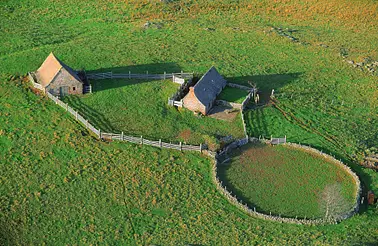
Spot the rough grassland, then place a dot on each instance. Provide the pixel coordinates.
(139, 108)
(286, 181)
(38, 206)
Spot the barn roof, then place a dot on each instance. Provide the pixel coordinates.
(50, 68)
(209, 86)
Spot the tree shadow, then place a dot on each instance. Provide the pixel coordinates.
(152, 68)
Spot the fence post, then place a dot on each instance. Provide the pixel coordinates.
(121, 136)
(90, 88)
(180, 146)
(271, 138)
(285, 138)
(129, 74)
(160, 143)
(165, 74)
(141, 140)
(99, 133)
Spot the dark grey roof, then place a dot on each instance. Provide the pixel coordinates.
(209, 86)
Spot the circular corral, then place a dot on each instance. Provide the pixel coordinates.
(291, 181)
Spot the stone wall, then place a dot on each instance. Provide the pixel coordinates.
(63, 78)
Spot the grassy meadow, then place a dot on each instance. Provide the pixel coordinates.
(139, 108)
(59, 185)
(285, 181)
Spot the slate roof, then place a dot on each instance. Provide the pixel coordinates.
(209, 86)
(50, 68)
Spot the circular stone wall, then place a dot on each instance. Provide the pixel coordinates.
(291, 181)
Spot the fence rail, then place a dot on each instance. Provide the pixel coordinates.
(160, 143)
(111, 75)
(32, 80)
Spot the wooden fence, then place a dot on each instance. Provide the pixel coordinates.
(181, 77)
(141, 140)
(172, 102)
(111, 75)
(32, 80)
(120, 137)
(242, 87)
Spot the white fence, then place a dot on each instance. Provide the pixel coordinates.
(180, 78)
(175, 103)
(36, 85)
(160, 144)
(111, 75)
(120, 137)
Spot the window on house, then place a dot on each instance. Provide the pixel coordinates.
(74, 88)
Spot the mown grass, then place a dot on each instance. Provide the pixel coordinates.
(110, 34)
(285, 181)
(139, 108)
(234, 95)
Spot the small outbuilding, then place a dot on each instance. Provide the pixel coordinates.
(202, 95)
(58, 78)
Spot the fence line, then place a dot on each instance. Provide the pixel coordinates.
(114, 136)
(36, 85)
(111, 75)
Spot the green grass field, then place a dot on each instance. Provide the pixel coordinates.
(58, 185)
(234, 95)
(287, 181)
(140, 108)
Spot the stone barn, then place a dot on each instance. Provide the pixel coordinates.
(58, 78)
(202, 95)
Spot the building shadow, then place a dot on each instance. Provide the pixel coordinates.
(152, 68)
(97, 119)
(266, 83)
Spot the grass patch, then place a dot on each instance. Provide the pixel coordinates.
(234, 95)
(140, 108)
(287, 181)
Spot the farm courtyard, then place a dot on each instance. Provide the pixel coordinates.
(60, 185)
(139, 108)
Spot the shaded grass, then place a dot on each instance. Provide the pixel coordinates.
(234, 95)
(285, 181)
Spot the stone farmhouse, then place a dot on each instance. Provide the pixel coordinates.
(58, 78)
(203, 94)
